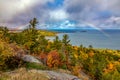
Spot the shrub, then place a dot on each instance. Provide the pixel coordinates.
(7, 58)
(35, 66)
(5, 53)
(53, 59)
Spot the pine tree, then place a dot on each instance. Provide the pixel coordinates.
(65, 47)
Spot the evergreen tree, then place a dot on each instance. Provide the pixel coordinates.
(33, 23)
(57, 43)
(65, 39)
(65, 47)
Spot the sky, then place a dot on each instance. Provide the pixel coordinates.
(61, 14)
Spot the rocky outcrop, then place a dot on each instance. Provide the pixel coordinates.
(32, 59)
(53, 75)
(24, 74)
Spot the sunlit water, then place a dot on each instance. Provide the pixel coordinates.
(106, 39)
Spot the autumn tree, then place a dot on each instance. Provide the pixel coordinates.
(53, 59)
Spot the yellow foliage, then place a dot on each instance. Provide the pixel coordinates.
(5, 52)
(76, 70)
(110, 66)
(48, 46)
(116, 63)
(75, 48)
(84, 56)
(76, 56)
(109, 51)
(106, 71)
(46, 33)
(91, 61)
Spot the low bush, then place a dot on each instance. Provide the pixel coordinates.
(35, 66)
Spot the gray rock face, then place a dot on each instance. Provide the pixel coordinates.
(29, 58)
(61, 76)
(53, 75)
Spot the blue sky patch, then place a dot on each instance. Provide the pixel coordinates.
(55, 4)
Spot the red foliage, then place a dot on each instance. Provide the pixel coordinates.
(43, 57)
(53, 59)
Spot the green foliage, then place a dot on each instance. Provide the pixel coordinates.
(33, 23)
(4, 77)
(13, 62)
(4, 33)
(4, 30)
(30, 38)
(114, 75)
(57, 43)
(35, 66)
(65, 40)
(118, 67)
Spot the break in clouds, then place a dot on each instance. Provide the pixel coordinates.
(100, 13)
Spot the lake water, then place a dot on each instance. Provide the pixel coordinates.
(98, 39)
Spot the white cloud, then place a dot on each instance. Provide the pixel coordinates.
(113, 18)
(11, 8)
(67, 24)
(112, 22)
(59, 14)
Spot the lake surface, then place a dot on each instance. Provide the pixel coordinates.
(98, 39)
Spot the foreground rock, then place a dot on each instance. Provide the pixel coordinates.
(27, 58)
(53, 75)
(23, 74)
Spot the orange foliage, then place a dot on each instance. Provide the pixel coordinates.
(43, 57)
(91, 54)
(53, 59)
(110, 66)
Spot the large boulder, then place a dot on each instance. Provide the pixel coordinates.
(24, 55)
(32, 59)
